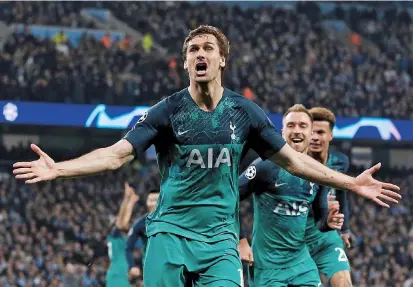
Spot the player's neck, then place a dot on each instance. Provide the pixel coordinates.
(321, 157)
(208, 95)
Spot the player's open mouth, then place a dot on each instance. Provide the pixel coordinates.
(201, 68)
(297, 140)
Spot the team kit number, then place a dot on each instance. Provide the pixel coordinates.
(342, 257)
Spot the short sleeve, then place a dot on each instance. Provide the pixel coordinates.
(250, 182)
(263, 137)
(251, 178)
(147, 128)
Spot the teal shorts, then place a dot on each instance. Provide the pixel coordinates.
(175, 261)
(113, 280)
(304, 274)
(329, 255)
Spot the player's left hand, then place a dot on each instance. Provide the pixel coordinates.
(245, 251)
(335, 219)
(375, 190)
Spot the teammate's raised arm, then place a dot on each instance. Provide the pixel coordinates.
(126, 209)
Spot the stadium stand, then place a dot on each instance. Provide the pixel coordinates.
(291, 61)
(49, 233)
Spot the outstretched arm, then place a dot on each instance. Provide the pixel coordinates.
(100, 160)
(136, 141)
(268, 143)
(365, 185)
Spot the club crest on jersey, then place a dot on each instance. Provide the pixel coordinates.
(143, 117)
(232, 127)
(195, 157)
(251, 172)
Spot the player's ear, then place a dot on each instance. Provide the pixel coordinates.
(222, 62)
(331, 136)
(185, 65)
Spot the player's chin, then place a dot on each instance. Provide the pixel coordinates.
(299, 147)
(315, 148)
(202, 79)
(336, 227)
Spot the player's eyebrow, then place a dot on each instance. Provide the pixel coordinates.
(205, 43)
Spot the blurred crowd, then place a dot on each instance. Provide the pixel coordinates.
(62, 13)
(278, 57)
(53, 234)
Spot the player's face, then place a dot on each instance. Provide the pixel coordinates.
(297, 130)
(321, 136)
(203, 60)
(151, 201)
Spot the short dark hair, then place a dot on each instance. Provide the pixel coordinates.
(223, 43)
(298, 108)
(323, 115)
(155, 190)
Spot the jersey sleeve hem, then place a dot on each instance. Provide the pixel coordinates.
(135, 152)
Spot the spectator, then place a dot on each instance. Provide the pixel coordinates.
(147, 43)
(106, 41)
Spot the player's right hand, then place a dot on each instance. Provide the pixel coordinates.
(331, 199)
(134, 272)
(245, 251)
(43, 169)
(335, 219)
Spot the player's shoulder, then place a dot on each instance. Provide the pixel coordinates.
(171, 102)
(139, 224)
(164, 109)
(240, 100)
(141, 219)
(115, 233)
(337, 159)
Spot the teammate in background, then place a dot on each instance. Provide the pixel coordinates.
(281, 205)
(117, 275)
(201, 134)
(327, 249)
(138, 231)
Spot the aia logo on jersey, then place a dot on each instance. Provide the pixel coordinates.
(292, 208)
(209, 161)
